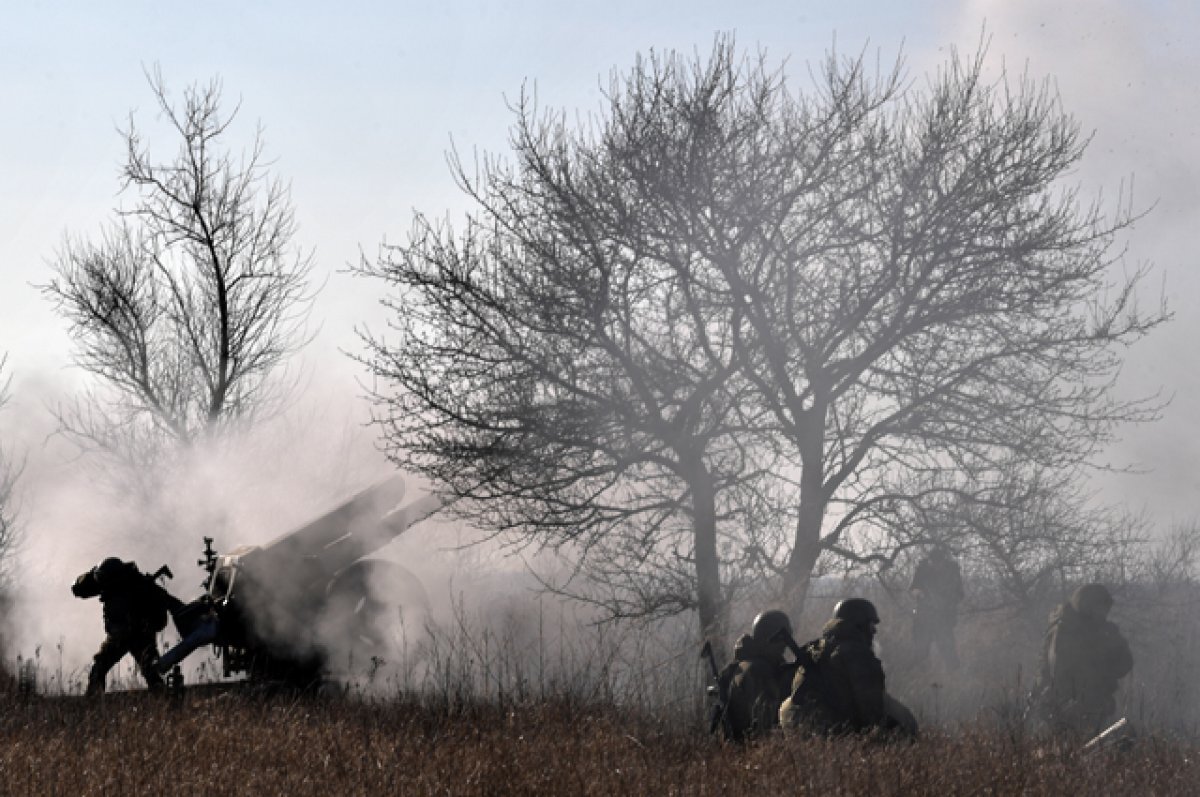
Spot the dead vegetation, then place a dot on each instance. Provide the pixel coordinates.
(505, 703)
(214, 742)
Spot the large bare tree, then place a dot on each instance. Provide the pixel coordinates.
(188, 303)
(725, 324)
(950, 305)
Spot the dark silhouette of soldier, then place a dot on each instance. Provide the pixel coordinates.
(758, 679)
(839, 684)
(938, 589)
(1083, 658)
(135, 609)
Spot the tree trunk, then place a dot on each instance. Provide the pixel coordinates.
(806, 547)
(710, 603)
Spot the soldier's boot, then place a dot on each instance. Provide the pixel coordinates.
(95, 684)
(110, 652)
(147, 661)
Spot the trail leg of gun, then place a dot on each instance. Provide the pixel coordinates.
(204, 632)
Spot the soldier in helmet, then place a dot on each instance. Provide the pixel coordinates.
(135, 609)
(937, 588)
(758, 679)
(839, 684)
(1083, 658)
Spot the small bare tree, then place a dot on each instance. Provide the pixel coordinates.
(191, 299)
(1030, 534)
(10, 469)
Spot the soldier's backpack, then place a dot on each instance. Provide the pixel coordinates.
(808, 685)
(159, 602)
(150, 600)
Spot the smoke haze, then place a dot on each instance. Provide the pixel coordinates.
(361, 129)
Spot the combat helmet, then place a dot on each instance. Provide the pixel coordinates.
(1092, 600)
(109, 571)
(768, 624)
(857, 612)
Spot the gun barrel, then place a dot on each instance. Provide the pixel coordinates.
(369, 535)
(369, 504)
(321, 547)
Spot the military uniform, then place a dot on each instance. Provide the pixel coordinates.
(938, 587)
(135, 610)
(839, 685)
(757, 680)
(1083, 659)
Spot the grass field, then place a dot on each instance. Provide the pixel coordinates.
(526, 703)
(211, 741)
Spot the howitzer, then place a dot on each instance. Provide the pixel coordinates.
(290, 609)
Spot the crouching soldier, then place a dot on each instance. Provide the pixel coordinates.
(758, 679)
(1083, 658)
(839, 685)
(135, 609)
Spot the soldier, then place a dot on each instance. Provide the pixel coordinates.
(135, 609)
(1083, 658)
(758, 679)
(839, 685)
(938, 588)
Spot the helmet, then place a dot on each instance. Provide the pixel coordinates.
(768, 624)
(1093, 600)
(856, 611)
(108, 571)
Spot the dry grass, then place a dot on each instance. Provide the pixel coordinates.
(210, 742)
(529, 704)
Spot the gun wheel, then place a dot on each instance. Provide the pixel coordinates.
(372, 605)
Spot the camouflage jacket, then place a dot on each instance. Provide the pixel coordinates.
(133, 603)
(839, 686)
(938, 582)
(1083, 658)
(753, 686)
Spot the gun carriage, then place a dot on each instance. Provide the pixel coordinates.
(310, 600)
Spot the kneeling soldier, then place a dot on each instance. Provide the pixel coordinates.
(756, 682)
(839, 683)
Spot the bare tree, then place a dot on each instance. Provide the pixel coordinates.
(1030, 535)
(822, 301)
(10, 469)
(953, 307)
(556, 368)
(191, 299)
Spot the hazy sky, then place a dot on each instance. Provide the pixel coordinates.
(360, 102)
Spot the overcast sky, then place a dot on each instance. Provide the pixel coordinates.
(359, 103)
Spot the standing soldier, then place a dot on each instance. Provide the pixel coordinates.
(135, 609)
(758, 679)
(839, 685)
(938, 589)
(1083, 658)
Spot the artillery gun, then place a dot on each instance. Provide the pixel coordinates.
(297, 607)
